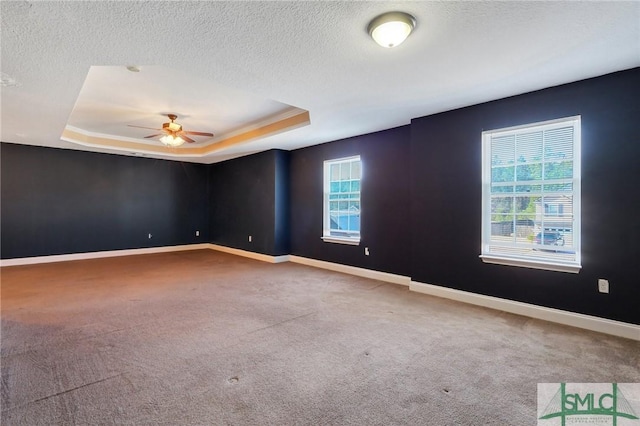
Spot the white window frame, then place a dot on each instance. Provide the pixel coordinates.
(353, 239)
(523, 260)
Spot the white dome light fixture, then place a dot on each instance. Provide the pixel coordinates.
(391, 28)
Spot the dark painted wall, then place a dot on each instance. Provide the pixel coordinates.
(385, 201)
(57, 201)
(446, 198)
(421, 200)
(282, 237)
(249, 196)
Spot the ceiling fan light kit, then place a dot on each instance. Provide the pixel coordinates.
(172, 141)
(174, 135)
(391, 28)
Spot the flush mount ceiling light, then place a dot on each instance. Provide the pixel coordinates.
(391, 28)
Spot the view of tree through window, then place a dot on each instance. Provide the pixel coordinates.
(531, 192)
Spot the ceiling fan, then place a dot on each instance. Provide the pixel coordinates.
(173, 135)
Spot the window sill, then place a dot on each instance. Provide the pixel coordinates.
(523, 263)
(341, 240)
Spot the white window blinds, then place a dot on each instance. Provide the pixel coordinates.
(531, 195)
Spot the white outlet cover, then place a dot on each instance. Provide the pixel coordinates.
(603, 286)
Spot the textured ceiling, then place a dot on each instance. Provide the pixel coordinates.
(316, 56)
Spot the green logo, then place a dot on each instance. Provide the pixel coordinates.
(592, 402)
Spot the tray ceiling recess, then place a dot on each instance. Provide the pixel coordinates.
(116, 101)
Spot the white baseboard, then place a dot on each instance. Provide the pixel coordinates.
(98, 254)
(352, 270)
(250, 254)
(131, 252)
(588, 322)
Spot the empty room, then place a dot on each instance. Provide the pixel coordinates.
(320, 213)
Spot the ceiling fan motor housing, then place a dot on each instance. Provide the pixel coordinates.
(172, 127)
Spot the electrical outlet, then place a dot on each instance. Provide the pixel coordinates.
(250, 238)
(197, 233)
(366, 251)
(150, 236)
(603, 285)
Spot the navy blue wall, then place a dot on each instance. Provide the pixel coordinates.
(57, 201)
(385, 201)
(421, 200)
(446, 198)
(282, 237)
(249, 196)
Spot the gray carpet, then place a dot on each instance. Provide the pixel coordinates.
(207, 338)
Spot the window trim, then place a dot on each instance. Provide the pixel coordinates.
(533, 264)
(573, 266)
(326, 237)
(341, 240)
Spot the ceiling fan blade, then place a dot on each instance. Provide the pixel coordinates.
(142, 127)
(185, 137)
(153, 136)
(186, 132)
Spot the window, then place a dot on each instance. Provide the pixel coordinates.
(554, 209)
(342, 200)
(531, 195)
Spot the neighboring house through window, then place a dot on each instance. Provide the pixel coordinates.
(342, 200)
(554, 208)
(531, 195)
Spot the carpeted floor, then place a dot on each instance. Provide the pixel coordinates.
(207, 338)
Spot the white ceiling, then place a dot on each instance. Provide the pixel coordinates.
(314, 55)
(116, 101)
